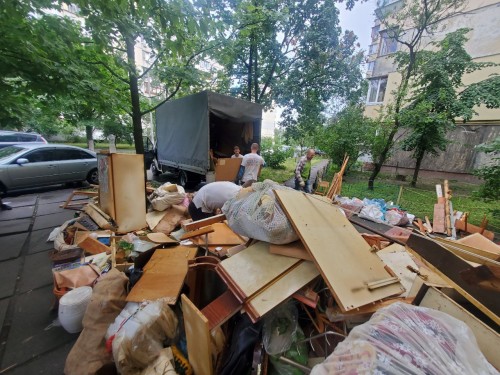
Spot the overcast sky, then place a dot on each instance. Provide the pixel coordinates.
(360, 20)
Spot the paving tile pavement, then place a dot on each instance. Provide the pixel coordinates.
(33, 327)
(15, 226)
(8, 276)
(37, 272)
(10, 246)
(38, 241)
(53, 220)
(30, 343)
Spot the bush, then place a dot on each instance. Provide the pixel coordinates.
(274, 157)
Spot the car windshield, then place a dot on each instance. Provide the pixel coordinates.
(9, 151)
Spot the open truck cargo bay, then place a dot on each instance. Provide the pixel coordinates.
(187, 128)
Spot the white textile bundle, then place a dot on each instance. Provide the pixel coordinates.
(258, 215)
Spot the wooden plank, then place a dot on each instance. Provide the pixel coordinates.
(479, 241)
(227, 169)
(221, 309)
(487, 339)
(280, 290)
(197, 338)
(396, 257)
(295, 250)
(438, 219)
(197, 232)
(93, 246)
(448, 266)
(222, 235)
(252, 269)
(397, 233)
(447, 197)
(163, 276)
(341, 254)
(203, 222)
(469, 228)
(469, 253)
(97, 217)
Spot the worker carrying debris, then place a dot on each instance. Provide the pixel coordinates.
(210, 198)
(303, 172)
(250, 166)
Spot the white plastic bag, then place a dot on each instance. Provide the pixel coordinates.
(161, 198)
(259, 216)
(407, 339)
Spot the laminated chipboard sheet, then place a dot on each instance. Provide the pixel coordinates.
(341, 254)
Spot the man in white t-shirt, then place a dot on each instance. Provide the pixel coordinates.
(211, 197)
(252, 164)
(236, 154)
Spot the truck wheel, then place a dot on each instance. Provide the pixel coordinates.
(183, 178)
(154, 170)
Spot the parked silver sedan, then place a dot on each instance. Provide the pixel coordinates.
(33, 165)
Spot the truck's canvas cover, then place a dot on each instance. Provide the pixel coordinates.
(182, 126)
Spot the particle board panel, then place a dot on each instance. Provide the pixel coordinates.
(469, 253)
(252, 269)
(396, 257)
(221, 236)
(193, 225)
(469, 228)
(487, 339)
(221, 309)
(341, 254)
(295, 250)
(281, 289)
(197, 338)
(163, 276)
(449, 266)
(438, 219)
(227, 169)
(477, 240)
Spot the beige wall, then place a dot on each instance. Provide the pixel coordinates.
(483, 17)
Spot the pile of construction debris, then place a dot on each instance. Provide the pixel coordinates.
(347, 295)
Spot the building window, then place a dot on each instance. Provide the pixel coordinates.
(375, 30)
(373, 49)
(370, 67)
(389, 44)
(376, 90)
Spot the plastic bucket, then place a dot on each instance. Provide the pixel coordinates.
(72, 307)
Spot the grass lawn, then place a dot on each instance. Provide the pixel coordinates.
(420, 200)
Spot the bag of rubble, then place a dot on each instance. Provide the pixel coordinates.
(138, 334)
(255, 213)
(166, 196)
(407, 339)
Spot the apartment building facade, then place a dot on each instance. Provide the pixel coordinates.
(461, 157)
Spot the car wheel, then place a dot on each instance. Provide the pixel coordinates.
(183, 178)
(154, 170)
(93, 177)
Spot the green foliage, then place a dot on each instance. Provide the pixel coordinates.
(436, 100)
(347, 133)
(490, 189)
(292, 54)
(407, 24)
(274, 154)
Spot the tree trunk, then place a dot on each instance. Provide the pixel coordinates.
(134, 96)
(397, 108)
(382, 157)
(256, 75)
(417, 169)
(89, 130)
(250, 69)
